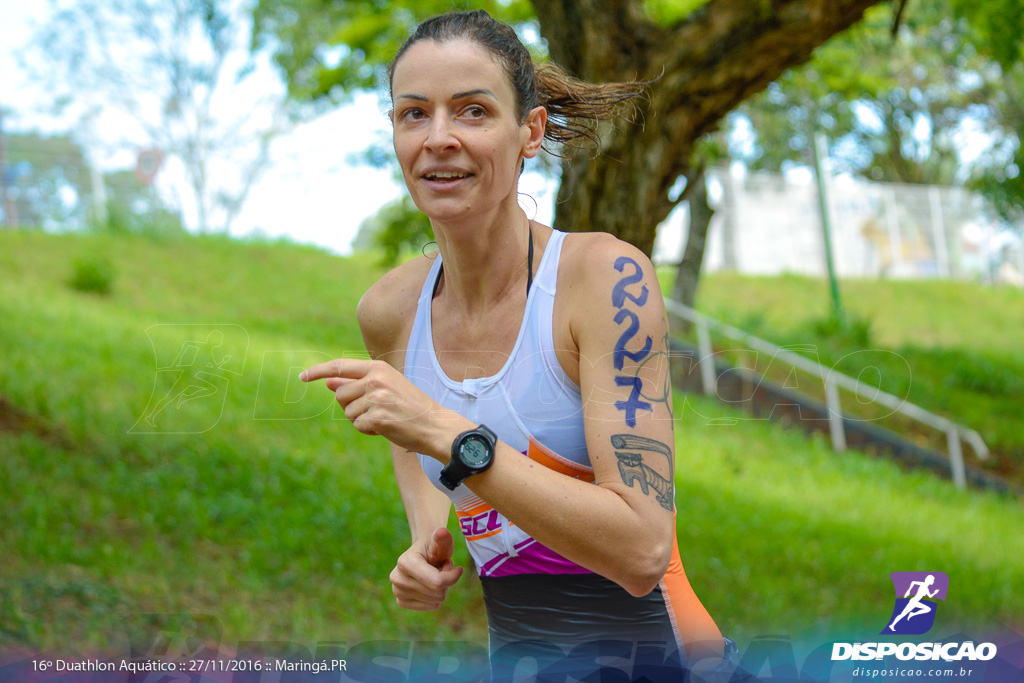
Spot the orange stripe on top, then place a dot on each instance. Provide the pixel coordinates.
(484, 535)
(545, 456)
(473, 511)
(469, 503)
(695, 630)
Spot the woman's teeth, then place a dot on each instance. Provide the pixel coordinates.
(446, 175)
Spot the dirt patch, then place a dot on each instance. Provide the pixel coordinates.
(14, 420)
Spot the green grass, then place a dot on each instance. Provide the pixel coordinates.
(804, 539)
(928, 313)
(274, 518)
(277, 507)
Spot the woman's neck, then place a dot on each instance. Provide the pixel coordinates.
(484, 261)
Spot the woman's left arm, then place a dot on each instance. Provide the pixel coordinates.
(622, 527)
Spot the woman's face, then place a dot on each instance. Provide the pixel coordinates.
(456, 133)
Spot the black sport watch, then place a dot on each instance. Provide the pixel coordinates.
(472, 453)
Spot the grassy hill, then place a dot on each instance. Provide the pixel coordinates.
(259, 507)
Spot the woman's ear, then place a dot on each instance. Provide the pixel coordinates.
(535, 123)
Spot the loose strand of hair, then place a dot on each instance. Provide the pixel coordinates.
(576, 108)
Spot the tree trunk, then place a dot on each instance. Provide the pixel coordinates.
(685, 289)
(703, 66)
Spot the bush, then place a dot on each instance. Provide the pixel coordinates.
(975, 372)
(847, 329)
(93, 273)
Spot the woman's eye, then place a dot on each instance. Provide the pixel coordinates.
(475, 112)
(413, 114)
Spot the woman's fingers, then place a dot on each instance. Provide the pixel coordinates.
(354, 408)
(348, 389)
(357, 397)
(418, 605)
(406, 589)
(450, 575)
(352, 368)
(418, 585)
(333, 383)
(415, 575)
(378, 399)
(411, 599)
(439, 548)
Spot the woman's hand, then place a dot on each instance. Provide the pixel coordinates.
(425, 572)
(380, 400)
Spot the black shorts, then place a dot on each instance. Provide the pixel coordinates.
(579, 625)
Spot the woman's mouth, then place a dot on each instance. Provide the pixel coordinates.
(446, 177)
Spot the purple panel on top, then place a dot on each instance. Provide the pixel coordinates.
(537, 559)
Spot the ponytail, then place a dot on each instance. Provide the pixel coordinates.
(576, 108)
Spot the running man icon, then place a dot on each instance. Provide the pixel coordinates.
(194, 365)
(192, 373)
(915, 607)
(919, 590)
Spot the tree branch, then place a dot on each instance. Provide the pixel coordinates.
(728, 50)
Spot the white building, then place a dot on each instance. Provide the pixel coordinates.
(770, 224)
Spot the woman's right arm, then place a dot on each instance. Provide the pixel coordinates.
(425, 571)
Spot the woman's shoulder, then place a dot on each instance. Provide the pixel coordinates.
(603, 282)
(588, 255)
(386, 311)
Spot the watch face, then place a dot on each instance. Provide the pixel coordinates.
(474, 451)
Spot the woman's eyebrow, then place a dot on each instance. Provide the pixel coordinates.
(473, 93)
(457, 96)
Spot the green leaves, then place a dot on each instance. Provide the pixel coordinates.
(902, 109)
(398, 228)
(327, 50)
(668, 12)
(998, 26)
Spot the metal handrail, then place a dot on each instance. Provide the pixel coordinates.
(832, 380)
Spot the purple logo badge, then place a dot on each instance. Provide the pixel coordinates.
(916, 593)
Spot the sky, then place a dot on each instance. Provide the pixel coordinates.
(311, 192)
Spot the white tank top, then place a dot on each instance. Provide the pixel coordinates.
(530, 403)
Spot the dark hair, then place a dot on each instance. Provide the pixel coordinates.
(574, 107)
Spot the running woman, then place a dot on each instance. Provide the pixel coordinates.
(520, 374)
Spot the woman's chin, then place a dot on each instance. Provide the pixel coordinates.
(450, 211)
(447, 212)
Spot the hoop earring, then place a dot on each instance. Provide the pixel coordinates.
(536, 206)
(423, 249)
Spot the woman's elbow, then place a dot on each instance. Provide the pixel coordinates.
(645, 573)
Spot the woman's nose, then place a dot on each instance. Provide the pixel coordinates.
(441, 135)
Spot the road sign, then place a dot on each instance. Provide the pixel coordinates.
(148, 164)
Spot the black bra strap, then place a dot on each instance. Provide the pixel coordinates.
(529, 269)
(529, 263)
(437, 282)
